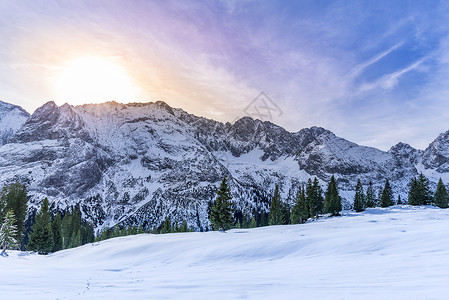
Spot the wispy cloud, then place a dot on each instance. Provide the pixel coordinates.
(357, 70)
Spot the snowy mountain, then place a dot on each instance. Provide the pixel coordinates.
(382, 253)
(141, 162)
(12, 117)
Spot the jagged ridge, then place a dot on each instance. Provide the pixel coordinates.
(140, 162)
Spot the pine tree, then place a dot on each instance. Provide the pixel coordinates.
(277, 211)
(87, 233)
(184, 227)
(441, 196)
(412, 192)
(75, 240)
(332, 201)
(399, 202)
(57, 233)
(14, 197)
(140, 229)
(253, 223)
(419, 192)
(221, 215)
(314, 196)
(8, 233)
(75, 226)
(166, 226)
(370, 196)
(41, 236)
(66, 228)
(359, 198)
(387, 195)
(300, 211)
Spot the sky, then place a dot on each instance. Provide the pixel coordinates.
(373, 72)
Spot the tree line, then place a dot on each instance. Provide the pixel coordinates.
(310, 202)
(53, 232)
(47, 233)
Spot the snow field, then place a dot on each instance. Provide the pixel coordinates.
(392, 253)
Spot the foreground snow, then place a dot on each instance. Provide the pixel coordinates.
(395, 253)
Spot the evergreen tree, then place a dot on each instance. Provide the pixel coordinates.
(14, 197)
(276, 216)
(314, 196)
(140, 229)
(184, 227)
(399, 202)
(370, 196)
(87, 233)
(75, 240)
(57, 233)
(8, 233)
(419, 192)
(300, 211)
(166, 226)
(359, 198)
(387, 195)
(263, 219)
(441, 196)
(221, 215)
(41, 236)
(66, 229)
(253, 223)
(76, 224)
(332, 201)
(412, 192)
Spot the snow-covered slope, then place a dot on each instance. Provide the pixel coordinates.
(141, 162)
(394, 253)
(12, 117)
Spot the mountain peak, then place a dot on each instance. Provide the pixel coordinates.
(12, 117)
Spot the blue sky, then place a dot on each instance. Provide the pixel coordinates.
(374, 72)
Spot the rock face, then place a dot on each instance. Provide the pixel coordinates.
(12, 117)
(141, 162)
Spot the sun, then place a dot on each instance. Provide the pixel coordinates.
(94, 80)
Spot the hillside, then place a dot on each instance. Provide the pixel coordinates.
(394, 253)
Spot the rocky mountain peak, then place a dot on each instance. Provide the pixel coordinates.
(12, 117)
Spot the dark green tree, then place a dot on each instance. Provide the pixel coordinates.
(441, 196)
(14, 197)
(57, 233)
(140, 229)
(66, 228)
(253, 224)
(300, 211)
(399, 202)
(41, 236)
(419, 192)
(221, 215)
(277, 209)
(370, 196)
(332, 200)
(184, 227)
(75, 240)
(387, 195)
(87, 233)
(314, 196)
(359, 198)
(167, 226)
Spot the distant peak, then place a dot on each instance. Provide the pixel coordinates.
(5, 106)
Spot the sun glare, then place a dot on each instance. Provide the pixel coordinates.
(95, 80)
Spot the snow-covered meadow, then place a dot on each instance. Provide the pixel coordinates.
(392, 253)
